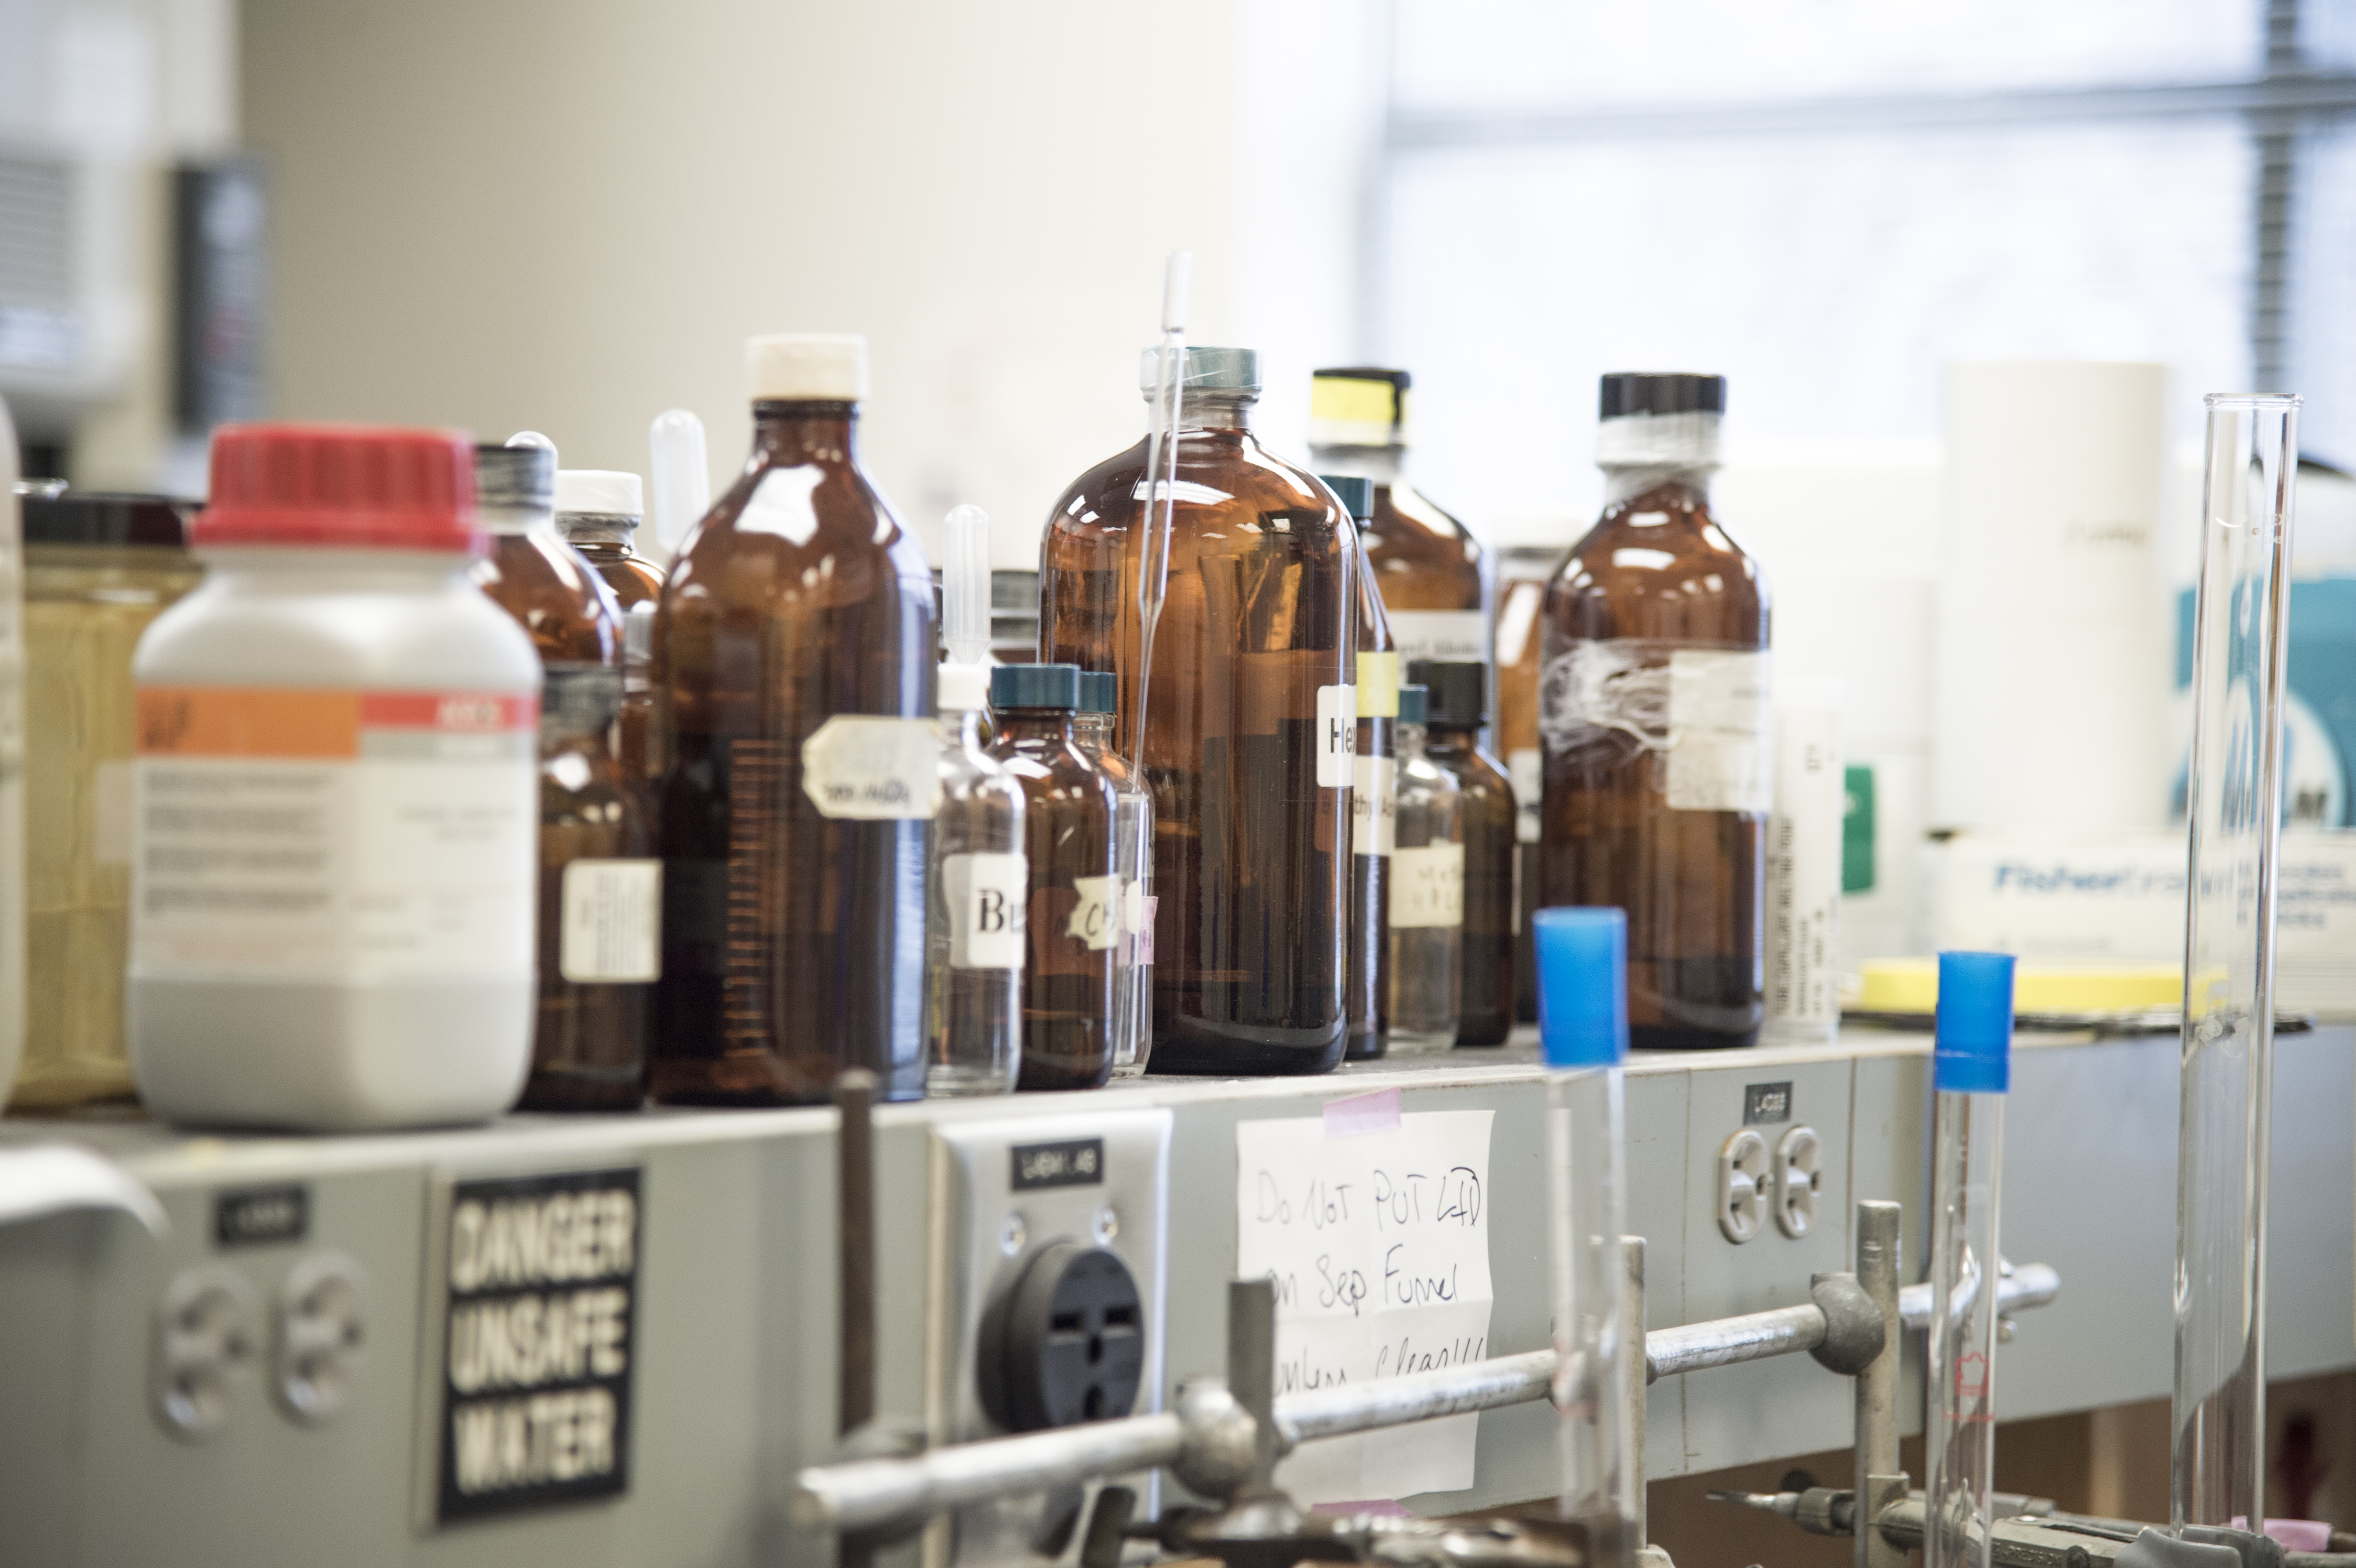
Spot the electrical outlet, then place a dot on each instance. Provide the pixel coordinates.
(322, 1331)
(204, 1342)
(1045, 1304)
(1741, 1178)
(1799, 1171)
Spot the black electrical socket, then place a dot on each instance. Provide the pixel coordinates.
(1064, 1342)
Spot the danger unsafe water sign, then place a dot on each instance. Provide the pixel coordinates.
(529, 1384)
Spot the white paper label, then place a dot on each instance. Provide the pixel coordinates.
(1377, 1243)
(1132, 907)
(1526, 769)
(1374, 809)
(1097, 918)
(985, 892)
(869, 768)
(613, 922)
(1705, 710)
(1803, 870)
(1337, 724)
(1428, 886)
(1461, 635)
(1718, 728)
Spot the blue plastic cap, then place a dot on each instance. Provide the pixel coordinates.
(1582, 986)
(1100, 692)
(1974, 1040)
(1035, 686)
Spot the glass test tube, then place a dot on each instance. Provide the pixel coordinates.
(1583, 957)
(1971, 1072)
(2218, 1448)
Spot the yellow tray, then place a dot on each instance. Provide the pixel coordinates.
(1912, 986)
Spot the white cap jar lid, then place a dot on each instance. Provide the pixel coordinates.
(600, 492)
(807, 366)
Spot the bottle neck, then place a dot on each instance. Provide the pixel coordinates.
(1382, 464)
(515, 519)
(805, 431)
(1465, 736)
(586, 531)
(1621, 481)
(1200, 410)
(972, 726)
(1092, 731)
(1035, 724)
(1406, 737)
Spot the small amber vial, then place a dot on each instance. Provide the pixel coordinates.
(598, 512)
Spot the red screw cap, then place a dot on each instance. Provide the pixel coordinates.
(341, 488)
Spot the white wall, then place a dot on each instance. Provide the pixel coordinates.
(566, 214)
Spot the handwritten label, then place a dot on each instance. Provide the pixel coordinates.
(872, 769)
(1428, 886)
(1378, 1246)
(1096, 919)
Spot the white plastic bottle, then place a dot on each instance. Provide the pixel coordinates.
(336, 803)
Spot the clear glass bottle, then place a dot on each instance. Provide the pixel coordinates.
(1075, 914)
(1971, 1071)
(1248, 744)
(1521, 577)
(1654, 716)
(979, 883)
(794, 670)
(598, 512)
(1373, 801)
(1455, 713)
(1598, 1359)
(1427, 913)
(97, 568)
(1435, 577)
(1133, 863)
(600, 887)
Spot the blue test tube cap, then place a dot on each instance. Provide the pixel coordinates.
(1582, 986)
(1974, 1055)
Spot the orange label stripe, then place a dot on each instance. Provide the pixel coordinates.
(295, 723)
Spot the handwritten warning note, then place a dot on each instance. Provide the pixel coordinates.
(1376, 1232)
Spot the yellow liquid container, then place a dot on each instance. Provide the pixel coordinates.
(97, 568)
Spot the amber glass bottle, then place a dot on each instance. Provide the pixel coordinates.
(1522, 577)
(599, 887)
(1456, 713)
(793, 702)
(1250, 730)
(1373, 806)
(1073, 923)
(598, 512)
(1434, 576)
(1654, 716)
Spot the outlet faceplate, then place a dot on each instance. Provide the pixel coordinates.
(1741, 1180)
(1799, 1170)
(204, 1342)
(322, 1334)
(1005, 1195)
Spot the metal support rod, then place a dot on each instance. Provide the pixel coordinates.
(2029, 1285)
(1631, 1329)
(854, 1099)
(1879, 1481)
(865, 1494)
(1251, 1373)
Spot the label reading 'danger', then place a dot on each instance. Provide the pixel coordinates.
(538, 1323)
(985, 894)
(872, 769)
(1337, 730)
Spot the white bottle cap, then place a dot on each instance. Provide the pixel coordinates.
(807, 366)
(600, 492)
(964, 687)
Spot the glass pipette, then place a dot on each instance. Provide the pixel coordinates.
(1160, 485)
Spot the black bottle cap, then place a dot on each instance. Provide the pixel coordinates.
(1459, 689)
(1356, 493)
(1100, 692)
(100, 518)
(1035, 686)
(522, 477)
(1411, 704)
(1674, 392)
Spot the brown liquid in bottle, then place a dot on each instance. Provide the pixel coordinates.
(589, 1037)
(1656, 568)
(1485, 1006)
(1251, 850)
(638, 585)
(793, 942)
(1073, 921)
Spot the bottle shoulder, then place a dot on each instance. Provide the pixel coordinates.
(798, 526)
(1657, 564)
(554, 594)
(1476, 769)
(1229, 487)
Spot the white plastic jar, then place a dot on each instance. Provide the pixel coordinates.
(336, 809)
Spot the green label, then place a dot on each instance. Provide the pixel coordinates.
(1857, 832)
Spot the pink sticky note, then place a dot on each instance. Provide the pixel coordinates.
(1145, 932)
(1377, 1112)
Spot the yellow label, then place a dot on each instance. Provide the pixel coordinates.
(1378, 684)
(1346, 400)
